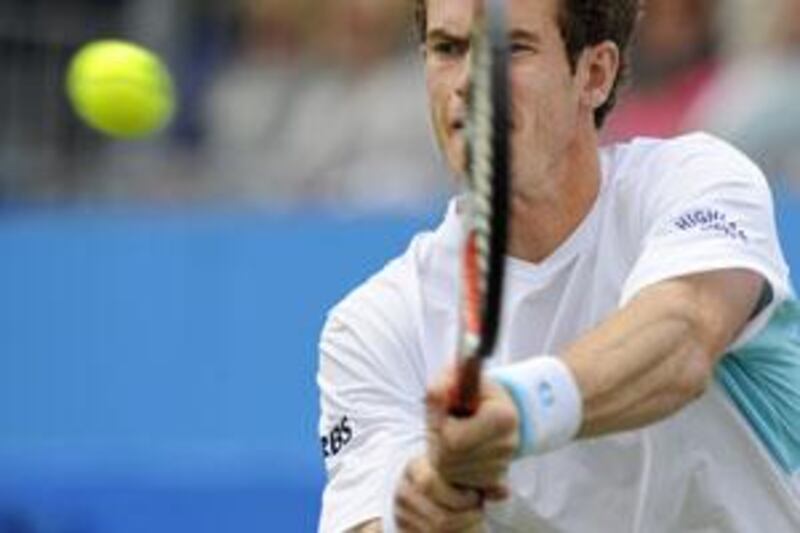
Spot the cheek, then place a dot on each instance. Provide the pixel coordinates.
(440, 95)
(541, 104)
(437, 101)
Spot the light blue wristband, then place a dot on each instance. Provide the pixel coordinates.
(527, 433)
(548, 402)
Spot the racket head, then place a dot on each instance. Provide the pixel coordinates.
(485, 205)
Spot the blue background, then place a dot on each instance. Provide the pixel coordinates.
(157, 366)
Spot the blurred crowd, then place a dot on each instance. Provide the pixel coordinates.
(323, 101)
(730, 67)
(297, 102)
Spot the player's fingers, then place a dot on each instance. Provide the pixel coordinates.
(493, 422)
(480, 527)
(408, 523)
(497, 493)
(500, 448)
(493, 460)
(421, 474)
(437, 399)
(496, 454)
(437, 404)
(414, 511)
(439, 391)
(453, 499)
(464, 521)
(484, 475)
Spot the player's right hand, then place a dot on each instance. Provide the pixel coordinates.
(473, 452)
(425, 503)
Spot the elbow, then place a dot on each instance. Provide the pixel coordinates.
(704, 327)
(696, 362)
(695, 376)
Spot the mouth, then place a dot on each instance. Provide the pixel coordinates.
(459, 125)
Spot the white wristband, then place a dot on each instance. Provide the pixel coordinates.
(548, 401)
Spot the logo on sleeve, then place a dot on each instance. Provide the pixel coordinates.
(337, 438)
(710, 221)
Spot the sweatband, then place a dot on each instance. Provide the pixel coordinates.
(548, 402)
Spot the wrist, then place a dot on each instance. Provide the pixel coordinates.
(548, 402)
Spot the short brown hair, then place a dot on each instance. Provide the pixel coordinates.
(583, 23)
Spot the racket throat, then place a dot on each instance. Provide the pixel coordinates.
(466, 395)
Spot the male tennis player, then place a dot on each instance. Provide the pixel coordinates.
(647, 374)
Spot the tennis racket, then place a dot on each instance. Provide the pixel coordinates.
(485, 207)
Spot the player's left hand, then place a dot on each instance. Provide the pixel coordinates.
(473, 452)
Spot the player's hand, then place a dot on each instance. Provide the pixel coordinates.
(425, 503)
(473, 452)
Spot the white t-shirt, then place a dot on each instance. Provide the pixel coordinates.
(665, 209)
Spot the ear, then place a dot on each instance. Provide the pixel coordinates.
(598, 70)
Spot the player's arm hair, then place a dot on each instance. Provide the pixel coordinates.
(658, 353)
(373, 526)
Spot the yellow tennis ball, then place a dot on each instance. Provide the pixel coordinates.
(120, 89)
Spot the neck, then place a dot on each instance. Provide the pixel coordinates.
(544, 218)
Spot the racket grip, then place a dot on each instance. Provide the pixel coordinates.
(465, 394)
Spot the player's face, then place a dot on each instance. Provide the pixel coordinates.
(547, 108)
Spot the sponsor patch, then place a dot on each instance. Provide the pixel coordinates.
(710, 221)
(337, 438)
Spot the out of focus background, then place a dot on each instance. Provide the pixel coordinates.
(160, 300)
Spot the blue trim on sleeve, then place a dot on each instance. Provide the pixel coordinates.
(763, 380)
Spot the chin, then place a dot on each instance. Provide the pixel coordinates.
(456, 159)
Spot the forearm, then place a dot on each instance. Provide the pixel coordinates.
(658, 354)
(637, 368)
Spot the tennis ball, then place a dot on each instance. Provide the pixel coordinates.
(120, 89)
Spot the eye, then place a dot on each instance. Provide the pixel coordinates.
(521, 48)
(448, 48)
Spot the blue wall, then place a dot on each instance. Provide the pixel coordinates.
(157, 367)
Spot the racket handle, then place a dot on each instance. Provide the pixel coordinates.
(465, 395)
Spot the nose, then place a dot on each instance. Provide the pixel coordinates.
(462, 79)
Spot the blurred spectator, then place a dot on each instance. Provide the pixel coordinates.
(754, 101)
(325, 103)
(42, 146)
(298, 100)
(673, 62)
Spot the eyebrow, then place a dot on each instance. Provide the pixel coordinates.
(443, 34)
(517, 34)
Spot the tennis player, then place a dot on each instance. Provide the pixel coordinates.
(647, 375)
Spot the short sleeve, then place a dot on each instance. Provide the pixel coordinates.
(371, 397)
(707, 208)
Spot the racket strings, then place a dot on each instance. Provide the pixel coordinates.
(486, 203)
(479, 230)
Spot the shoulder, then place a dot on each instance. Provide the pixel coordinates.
(370, 338)
(653, 177)
(382, 319)
(384, 300)
(394, 291)
(684, 160)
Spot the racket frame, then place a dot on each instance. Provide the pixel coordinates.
(487, 211)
